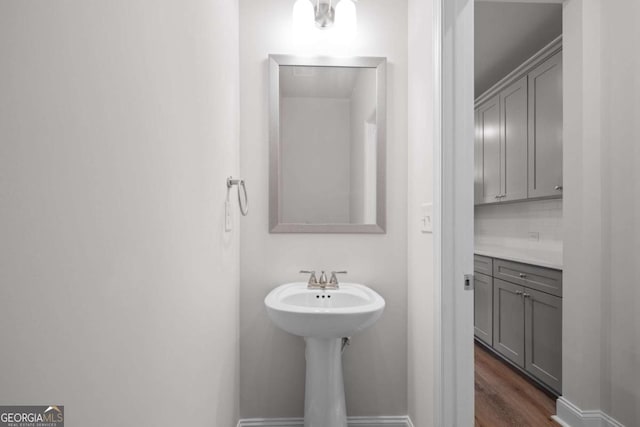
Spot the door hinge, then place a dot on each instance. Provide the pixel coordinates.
(468, 282)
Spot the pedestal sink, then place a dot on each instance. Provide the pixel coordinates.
(323, 317)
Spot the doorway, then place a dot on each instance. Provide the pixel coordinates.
(454, 172)
(518, 192)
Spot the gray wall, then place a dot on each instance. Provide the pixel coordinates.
(118, 287)
(601, 344)
(375, 364)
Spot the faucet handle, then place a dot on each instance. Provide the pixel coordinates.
(312, 278)
(334, 278)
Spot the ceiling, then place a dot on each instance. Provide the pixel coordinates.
(507, 34)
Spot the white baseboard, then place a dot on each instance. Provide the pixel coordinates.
(397, 421)
(569, 415)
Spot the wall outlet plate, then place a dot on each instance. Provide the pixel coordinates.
(534, 236)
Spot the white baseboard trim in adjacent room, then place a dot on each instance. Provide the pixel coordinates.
(569, 415)
(397, 421)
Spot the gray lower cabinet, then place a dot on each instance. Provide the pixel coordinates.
(483, 264)
(517, 319)
(508, 320)
(543, 337)
(483, 308)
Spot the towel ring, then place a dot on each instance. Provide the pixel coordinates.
(244, 205)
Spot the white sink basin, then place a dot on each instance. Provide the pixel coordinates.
(324, 317)
(329, 313)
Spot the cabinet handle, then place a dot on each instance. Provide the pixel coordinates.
(523, 276)
(526, 295)
(518, 292)
(558, 187)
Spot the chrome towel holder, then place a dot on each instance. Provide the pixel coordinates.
(244, 205)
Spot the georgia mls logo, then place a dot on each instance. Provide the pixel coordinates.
(55, 410)
(32, 416)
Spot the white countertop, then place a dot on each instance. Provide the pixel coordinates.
(542, 258)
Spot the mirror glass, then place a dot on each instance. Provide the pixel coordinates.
(329, 148)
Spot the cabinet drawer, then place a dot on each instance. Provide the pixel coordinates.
(483, 264)
(538, 278)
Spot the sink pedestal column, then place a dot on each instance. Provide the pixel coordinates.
(324, 403)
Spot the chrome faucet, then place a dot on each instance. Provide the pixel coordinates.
(322, 283)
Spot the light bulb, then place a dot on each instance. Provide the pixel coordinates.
(303, 18)
(346, 22)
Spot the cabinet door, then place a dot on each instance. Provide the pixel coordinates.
(514, 134)
(483, 307)
(543, 337)
(489, 118)
(545, 128)
(477, 156)
(508, 320)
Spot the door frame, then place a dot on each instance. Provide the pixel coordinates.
(454, 206)
(453, 214)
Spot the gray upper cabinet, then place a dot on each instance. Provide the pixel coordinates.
(483, 307)
(508, 320)
(543, 337)
(513, 141)
(518, 140)
(489, 123)
(477, 161)
(545, 128)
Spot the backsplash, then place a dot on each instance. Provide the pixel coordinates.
(511, 225)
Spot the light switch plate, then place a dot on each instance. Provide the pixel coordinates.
(426, 218)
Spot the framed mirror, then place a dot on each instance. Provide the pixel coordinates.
(327, 125)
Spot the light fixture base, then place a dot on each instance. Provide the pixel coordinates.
(324, 14)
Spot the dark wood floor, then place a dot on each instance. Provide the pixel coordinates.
(504, 398)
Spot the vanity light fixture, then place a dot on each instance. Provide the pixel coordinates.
(309, 15)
